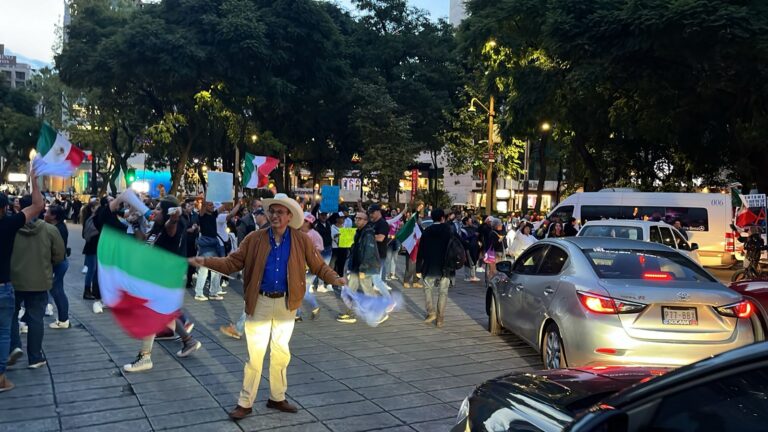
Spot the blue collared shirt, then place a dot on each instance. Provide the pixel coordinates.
(276, 270)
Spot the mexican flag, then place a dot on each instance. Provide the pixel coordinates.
(56, 156)
(409, 236)
(257, 169)
(744, 215)
(144, 286)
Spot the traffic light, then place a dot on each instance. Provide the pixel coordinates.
(130, 176)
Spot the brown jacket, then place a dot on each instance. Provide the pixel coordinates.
(251, 257)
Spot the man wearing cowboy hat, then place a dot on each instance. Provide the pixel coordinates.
(274, 262)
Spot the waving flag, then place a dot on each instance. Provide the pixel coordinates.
(745, 215)
(144, 286)
(257, 169)
(56, 156)
(409, 236)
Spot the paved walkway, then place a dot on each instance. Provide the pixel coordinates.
(401, 376)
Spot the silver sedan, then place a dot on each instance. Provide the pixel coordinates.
(604, 301)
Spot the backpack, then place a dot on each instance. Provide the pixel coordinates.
(90, 231)
(455, 257)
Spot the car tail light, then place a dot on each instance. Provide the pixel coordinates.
(742, 309)
(657, 275)
(607, 305)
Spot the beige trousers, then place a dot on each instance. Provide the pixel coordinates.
(271, 324)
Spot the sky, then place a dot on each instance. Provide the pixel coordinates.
(27, 27)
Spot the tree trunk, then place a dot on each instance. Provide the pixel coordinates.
(542, 172)
(180, 165)
(595, 180)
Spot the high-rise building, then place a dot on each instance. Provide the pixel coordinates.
(13, 72)
(458, 12)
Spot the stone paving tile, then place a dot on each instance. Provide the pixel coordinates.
(27, 413)
(453, 394)
(336, 397)
(219, 426)
(140, 425)
(350, 409)
(436, 426)
(96, 394)
(386, 390)
(306, 427)
(103, 404)
(36, 425)
(272, 421)
(370, 381)
(190, 418)
(315, 388)
(425, 413)
(354, 372)
(406, 401)
(181, 406)
(363, 423)
(97, 418)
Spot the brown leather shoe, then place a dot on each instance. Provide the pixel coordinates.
(283, 406)
(240, 413)
(5, 384)
(431, 317)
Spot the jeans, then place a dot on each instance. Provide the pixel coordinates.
(326, 255)
(7, 318)
(57, 290)
(390, 262)
(379, 283)
(92, 276)
(410, 271)
(34, 304)
(470, 266)
(202, 275)
(338, 260)
(442, 283)
(240, 326)
(309, 297)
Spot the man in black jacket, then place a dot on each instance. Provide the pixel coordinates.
(430, 262)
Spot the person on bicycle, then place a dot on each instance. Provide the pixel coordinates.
(753, 246)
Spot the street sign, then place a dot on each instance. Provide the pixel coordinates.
(489, 156)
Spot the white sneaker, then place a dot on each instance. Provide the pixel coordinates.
(98, 307)
(23, 327)
(21, 313)
(224, 284)
(143, 362)
(215, 297)
(59, 324)
(220, 293)
(201, 298)
(480, 270)
(321, 289)
(85, 270)
(49, 310)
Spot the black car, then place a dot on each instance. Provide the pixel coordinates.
(728, 392)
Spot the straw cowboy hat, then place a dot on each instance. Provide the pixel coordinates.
(297, 214)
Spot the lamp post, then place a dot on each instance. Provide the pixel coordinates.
(489, 198)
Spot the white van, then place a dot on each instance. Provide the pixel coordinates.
(706, 218)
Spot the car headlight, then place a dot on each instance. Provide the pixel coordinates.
(463, 410)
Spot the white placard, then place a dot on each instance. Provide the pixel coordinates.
(220, 187)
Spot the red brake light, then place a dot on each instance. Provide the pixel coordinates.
(607, 305)
(597, 304)
(657, 275)
(742, 309)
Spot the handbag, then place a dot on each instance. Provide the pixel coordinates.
(490, 256)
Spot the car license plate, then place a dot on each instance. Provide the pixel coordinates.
(679, 316)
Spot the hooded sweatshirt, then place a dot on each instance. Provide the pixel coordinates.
(38, 246)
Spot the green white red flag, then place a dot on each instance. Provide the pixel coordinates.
(409, 236)
(56, 156)
(256, 170)
(745, 216)
(144, 286)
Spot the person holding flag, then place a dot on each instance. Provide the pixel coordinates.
(408, 236)
(274, 262)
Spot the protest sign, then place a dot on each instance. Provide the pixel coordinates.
(220, 187)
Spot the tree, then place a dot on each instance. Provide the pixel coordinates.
(18, 126)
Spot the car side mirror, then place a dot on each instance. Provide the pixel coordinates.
(504, 267)
(694, 246)
(611, 420)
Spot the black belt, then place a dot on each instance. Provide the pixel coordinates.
(272, 294)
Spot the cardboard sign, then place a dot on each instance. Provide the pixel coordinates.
(346, 237)
(330, 201)
(220, 187)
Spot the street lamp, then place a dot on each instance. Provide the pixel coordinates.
(489, 198)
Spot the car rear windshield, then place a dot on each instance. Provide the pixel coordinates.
(645, 264)
(625, 232)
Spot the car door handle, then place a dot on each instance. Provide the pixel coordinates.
(548, 291)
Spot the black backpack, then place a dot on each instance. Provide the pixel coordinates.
(455, 257)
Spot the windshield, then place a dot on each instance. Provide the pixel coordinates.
(645, 264)
(625, 232)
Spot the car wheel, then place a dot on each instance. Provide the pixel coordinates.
(759, 328)
(494, 327)
(739, 275)
(553, 350)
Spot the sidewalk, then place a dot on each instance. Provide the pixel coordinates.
(401, 376)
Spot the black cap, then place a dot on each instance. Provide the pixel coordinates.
(374, 207)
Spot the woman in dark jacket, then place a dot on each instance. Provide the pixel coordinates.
(471, 240)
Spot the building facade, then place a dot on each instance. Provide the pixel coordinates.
(14, 73)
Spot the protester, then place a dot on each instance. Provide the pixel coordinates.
(570, 229)
(364, 263)
(191, 221)
(495, 240)
(338, 254)
(430, 262)
(555, 230)
(317, 242)
(469, 238)
(274, 262)
(168, 232)
(56, 216)
(381, 233)
(208, 245)
(91, 236)
(38, 246)
(10, 224)
(77, 205)
(323, 227)
(523, 239)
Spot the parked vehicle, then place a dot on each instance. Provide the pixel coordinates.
(648, 231)
(756, 291)
(705, 217)
(719, 394)
(585, 301)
